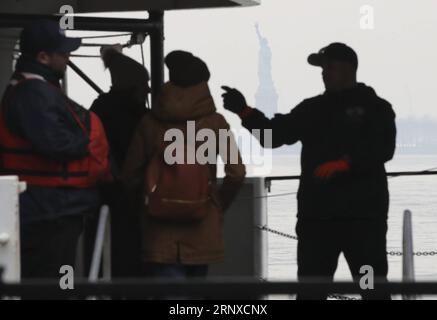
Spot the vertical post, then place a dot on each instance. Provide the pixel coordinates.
(408, 255)
(260, 219)
(10, 259)
(157, 52)
(98, 246)
(246, 249)
(107, 270)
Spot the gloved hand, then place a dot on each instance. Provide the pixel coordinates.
(328, 169)
(233, 100)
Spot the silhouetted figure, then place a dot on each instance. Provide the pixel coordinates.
(347, 135)
(185, 247)
(121, 110)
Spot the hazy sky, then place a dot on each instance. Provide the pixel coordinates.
(398, 57)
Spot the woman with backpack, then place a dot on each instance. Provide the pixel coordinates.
(183, 208)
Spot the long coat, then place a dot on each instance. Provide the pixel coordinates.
(188, 243)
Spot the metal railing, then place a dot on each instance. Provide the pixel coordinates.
(227, 287)
(217, 288)
(389, 174)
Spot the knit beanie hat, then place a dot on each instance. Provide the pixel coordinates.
(185, 69)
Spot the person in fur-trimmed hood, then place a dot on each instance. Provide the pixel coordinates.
(121, 110)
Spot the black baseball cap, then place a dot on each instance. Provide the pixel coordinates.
(46, 35)
(334, 52)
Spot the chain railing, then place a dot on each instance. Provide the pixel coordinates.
(340, 297)
(416, 253)
(279, 233)
(389, 253)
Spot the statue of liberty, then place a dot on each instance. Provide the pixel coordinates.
(266, 97)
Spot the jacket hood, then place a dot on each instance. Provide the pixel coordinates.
(178, 104)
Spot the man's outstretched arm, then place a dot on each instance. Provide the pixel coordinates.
(280, 130)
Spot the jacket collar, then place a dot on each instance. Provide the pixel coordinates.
(29, 65)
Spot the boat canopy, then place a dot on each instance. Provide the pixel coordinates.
(17, 13)
(88, 6)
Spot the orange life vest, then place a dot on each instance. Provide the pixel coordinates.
(18, 157)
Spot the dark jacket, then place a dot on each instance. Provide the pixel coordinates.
(354, 124)
(190, 243)
(37, 112)
(120, 115)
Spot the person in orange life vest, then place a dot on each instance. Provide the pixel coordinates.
(45, 140)
(347, 135)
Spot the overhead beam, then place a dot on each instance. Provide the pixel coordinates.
(8, 20)
(157, 52)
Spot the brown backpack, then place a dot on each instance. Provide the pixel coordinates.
(177, 192)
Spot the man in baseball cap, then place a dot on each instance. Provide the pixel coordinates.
(339, 63)
(45, 42)
(37, 117)
(348, 133)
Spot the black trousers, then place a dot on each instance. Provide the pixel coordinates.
(363, 242)
(49, 244)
